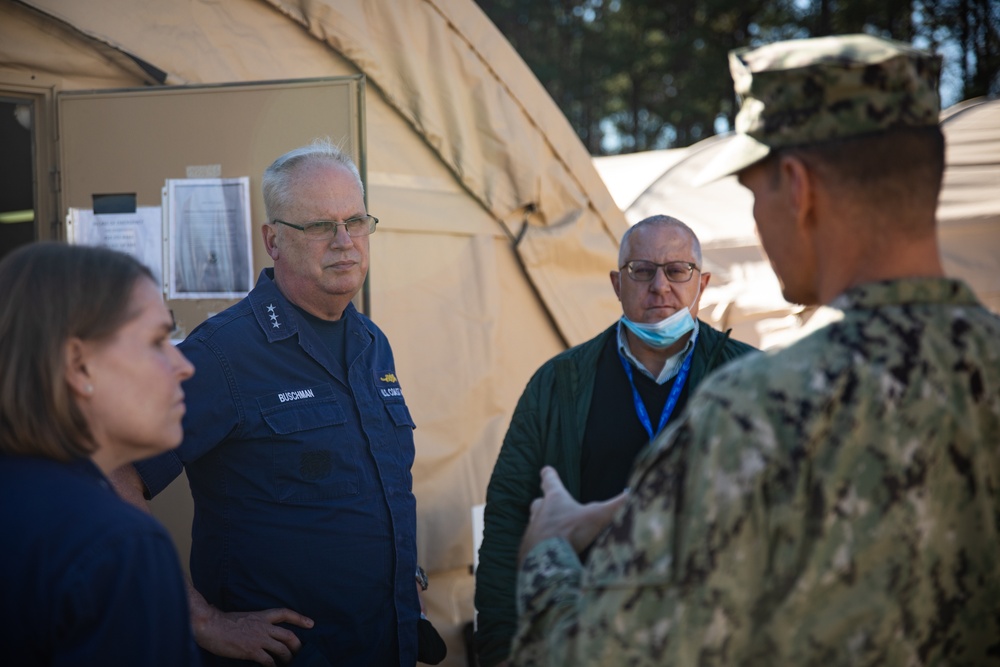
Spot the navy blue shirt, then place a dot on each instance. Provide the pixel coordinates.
(300, 473)
(85, 578)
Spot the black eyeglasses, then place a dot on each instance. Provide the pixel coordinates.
(643, 271)
(363, 225)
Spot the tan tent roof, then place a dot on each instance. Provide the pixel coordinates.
(969, 210)
(744, 293)
(497, 232)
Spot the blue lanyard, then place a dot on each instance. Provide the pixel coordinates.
(668, 408)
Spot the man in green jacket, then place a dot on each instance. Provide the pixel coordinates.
(590, 410)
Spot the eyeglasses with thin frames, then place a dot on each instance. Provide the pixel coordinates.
(363, 225)
(643, 271)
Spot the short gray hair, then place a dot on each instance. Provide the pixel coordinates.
(664, 221)
(277, 180)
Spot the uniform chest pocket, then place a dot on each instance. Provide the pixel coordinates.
(313, 452)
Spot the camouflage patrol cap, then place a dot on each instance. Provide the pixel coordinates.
(807, 91)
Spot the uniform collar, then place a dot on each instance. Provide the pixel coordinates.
(905, 290)
(277, 317)
(85, 467)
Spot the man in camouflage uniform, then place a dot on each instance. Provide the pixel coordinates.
(834, 503)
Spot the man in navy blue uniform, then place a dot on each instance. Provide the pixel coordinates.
(298, 446)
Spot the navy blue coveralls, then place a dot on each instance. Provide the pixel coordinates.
(85, 578)
(300, 474)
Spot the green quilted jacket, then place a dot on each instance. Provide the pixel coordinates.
(547, 429)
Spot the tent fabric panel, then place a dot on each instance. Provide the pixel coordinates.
(409, 187)
(462, 60)
(629, 175)
(199, 42)
(467, 333)
(716, 210)
(402, 207)
(570, 269)
(516, 78)
(972, 155)
(969, 209)
(56, 54)
(453, 98)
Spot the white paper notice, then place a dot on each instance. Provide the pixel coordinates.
(138, 234)
(210, 253)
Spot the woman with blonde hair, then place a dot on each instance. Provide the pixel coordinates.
(89, 380)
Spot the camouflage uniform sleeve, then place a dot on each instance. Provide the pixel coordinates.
(548, 594)
(679, 576)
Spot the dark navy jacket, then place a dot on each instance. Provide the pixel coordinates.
(85, 578)
(300, 474)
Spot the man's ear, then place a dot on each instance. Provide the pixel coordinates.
(616, 283)
(695, 306)
(270, 236)
(75, 356)
(800, 182)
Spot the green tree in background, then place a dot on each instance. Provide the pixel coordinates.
(633, 75)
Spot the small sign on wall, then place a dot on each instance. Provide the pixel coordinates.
(138, 233)
(209, 243)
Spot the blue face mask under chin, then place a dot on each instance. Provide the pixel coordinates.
(664, 333)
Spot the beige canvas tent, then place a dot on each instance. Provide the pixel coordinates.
(496, 233)
(744, 293)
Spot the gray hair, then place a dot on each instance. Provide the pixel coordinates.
(663, 221)
(277, 180)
